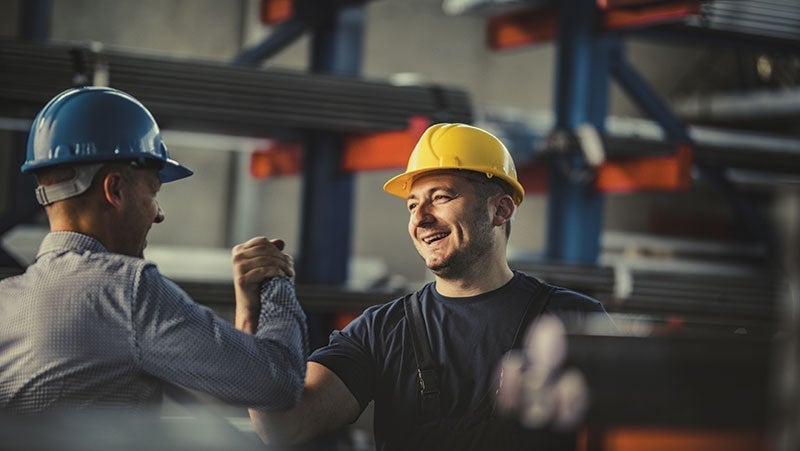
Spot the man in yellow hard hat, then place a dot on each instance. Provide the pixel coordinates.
(428, 359)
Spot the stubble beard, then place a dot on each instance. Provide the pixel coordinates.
(467, 262)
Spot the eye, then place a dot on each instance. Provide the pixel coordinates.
(412, 206)
(441, 197)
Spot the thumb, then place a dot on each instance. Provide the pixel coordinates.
(278, 243)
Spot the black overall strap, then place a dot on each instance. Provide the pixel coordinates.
(534, 308)
(427, 371)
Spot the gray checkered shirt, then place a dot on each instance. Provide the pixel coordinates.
(85, 327)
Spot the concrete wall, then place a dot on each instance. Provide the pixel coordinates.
(401, 36)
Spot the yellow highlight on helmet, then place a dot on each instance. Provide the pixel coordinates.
(457, 146)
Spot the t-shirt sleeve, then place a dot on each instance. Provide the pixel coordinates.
(350, 355)
(580, 313)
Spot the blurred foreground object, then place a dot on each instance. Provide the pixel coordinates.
(787, 368)
(676, 391)
(118, 430)
(534, 385)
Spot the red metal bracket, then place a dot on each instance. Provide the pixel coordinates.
(386, 150)
(520, 28)
(672, 173)
(538, 25)
(641, 16)
(276, 159)
(275, 11)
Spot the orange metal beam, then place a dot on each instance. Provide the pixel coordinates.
(670, 439)
(274, 11)
(614, 19)
(385, 150)
(278, 158)
(671, 173)
(538, 25)
(616, 4)
(520, 28)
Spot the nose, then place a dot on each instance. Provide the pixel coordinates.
(421, 215)
(159, 214)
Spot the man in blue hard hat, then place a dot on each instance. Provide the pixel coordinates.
(91, 323)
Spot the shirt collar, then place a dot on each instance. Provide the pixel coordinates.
(74, 241)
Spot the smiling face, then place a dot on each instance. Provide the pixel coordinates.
(450, 224)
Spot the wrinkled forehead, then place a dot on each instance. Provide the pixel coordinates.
(446, 176)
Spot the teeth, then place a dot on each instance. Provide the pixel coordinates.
(432, 238)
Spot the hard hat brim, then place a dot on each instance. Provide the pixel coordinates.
(172, 171)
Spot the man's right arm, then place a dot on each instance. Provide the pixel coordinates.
(326, 405)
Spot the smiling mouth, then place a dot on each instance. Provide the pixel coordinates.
(434, 238)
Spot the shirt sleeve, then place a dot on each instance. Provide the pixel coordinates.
(179, 341)
(580, 313)
(349, 354)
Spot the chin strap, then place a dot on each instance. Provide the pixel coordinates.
(84, 174)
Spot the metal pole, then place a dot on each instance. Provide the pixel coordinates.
(326, 219)
(327, 209)
(575, 208)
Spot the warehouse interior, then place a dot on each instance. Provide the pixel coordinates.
(657, 141)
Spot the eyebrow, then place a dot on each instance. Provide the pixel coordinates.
(433, 190)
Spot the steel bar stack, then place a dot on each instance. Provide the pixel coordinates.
(208, 97)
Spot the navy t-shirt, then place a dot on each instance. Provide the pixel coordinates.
(374, 357)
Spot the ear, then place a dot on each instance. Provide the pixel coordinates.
(504, 208)
(113, 183)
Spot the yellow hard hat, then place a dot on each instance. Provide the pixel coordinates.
(457, 146)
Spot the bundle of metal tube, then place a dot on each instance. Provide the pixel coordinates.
(216, 97)
(734, 302)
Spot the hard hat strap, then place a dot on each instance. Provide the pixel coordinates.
(84, 174)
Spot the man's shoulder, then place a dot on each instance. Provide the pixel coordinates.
(563, 299)
(566, 299)
(579, 312)
(123, 270)
(387, 313)
(387, 317)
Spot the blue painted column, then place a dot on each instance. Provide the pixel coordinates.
(575, 208)
(326, 221)
(327, 210)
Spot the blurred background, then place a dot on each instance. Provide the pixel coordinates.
(657, 142)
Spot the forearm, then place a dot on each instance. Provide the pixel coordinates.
(325, 406)
(246, 318)
(278, 428)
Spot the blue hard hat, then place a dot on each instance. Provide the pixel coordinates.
(94, 125)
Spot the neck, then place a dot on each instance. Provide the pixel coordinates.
(483, 278)
(64, 220)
